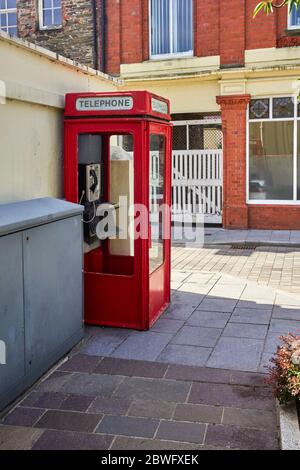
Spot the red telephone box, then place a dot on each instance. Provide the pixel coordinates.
(118, 165)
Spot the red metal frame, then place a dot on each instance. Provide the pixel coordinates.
(135, 298)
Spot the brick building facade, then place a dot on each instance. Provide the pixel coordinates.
(68, 27)
(219, 67)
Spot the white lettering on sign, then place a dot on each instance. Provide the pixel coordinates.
(159, 106)
(107, 103)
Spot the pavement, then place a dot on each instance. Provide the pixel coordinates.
(195, 381)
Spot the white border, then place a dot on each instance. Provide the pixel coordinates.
(176, 55)
(260, 202)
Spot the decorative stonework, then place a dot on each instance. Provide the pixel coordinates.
(234, 100)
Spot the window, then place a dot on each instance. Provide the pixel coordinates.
(171, 27)
(294, 18)
(8, 16)
(50, 14)
(274, 155)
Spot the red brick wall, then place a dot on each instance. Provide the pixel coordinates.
(274, 217)
(233, 111)
(221, 27)
(232, 32)
(261, 30)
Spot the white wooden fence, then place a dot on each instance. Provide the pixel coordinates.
(197, 184)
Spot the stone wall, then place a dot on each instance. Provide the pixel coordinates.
(74, 39)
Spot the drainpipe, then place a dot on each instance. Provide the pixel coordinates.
(103, 35)
(95, 36)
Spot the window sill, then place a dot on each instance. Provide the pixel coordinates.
(162, 57)
(45, 29)
(292, 31)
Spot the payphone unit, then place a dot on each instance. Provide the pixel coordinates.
(118, 166)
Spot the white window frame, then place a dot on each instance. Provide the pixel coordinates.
(295, 120)
(170, 55)
(289, 16)
(43, 27)
(6, 11)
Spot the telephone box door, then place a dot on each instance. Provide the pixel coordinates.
(159, 217)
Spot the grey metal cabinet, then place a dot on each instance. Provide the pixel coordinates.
(41, 289)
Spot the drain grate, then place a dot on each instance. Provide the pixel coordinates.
(243, 246)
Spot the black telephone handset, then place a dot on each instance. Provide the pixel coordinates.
(94, 186)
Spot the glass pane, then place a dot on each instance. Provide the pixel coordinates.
(283, 108)
(271, 160)
(12, 19)
(157, 198)
(182, 25)
(259, 109)
(179, 138)
(3, 4)
(56, 3)
(47, 4)
(47, 18)
(295, 17)
(121, 192)
(12, 30)
(160, 27)
(3, 20)
(11, 3)
(57, 16)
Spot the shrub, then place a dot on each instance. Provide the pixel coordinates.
(285, 372)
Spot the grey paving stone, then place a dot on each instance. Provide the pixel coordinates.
(152, 409)
(153, 389)
(181, 354)
(130, 443)
(54, 382)
(232, 395)
(23, 416)
(272, 342)
(101, 345)
(286, 313)
(250, 418)
(186, 298)
(110, 406)
(69, 421)
(241, 438)
(237, 353)
(91, 384)
(247, 378)
(166, 325)
(198, 413)
(211, 304)
(208, 319)
(131, 368)
(256, 305)
(143, 346)
(65, 440)
(18, 438)
(265, 363)
(197, 336)
(245, 330)
(179, 431)
(284, 326)
(198, 374)
(50, 400)
(80, 363)
(255, 316)
(128, 426)
(180, 311)
(76, 403)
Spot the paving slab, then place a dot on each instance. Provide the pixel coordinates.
(236, 353)
(245, 330)
(182, 354)
(128, 426)
(143, 345)
(208, 319)
(197, 336)
(153, 389)
(64, 440)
